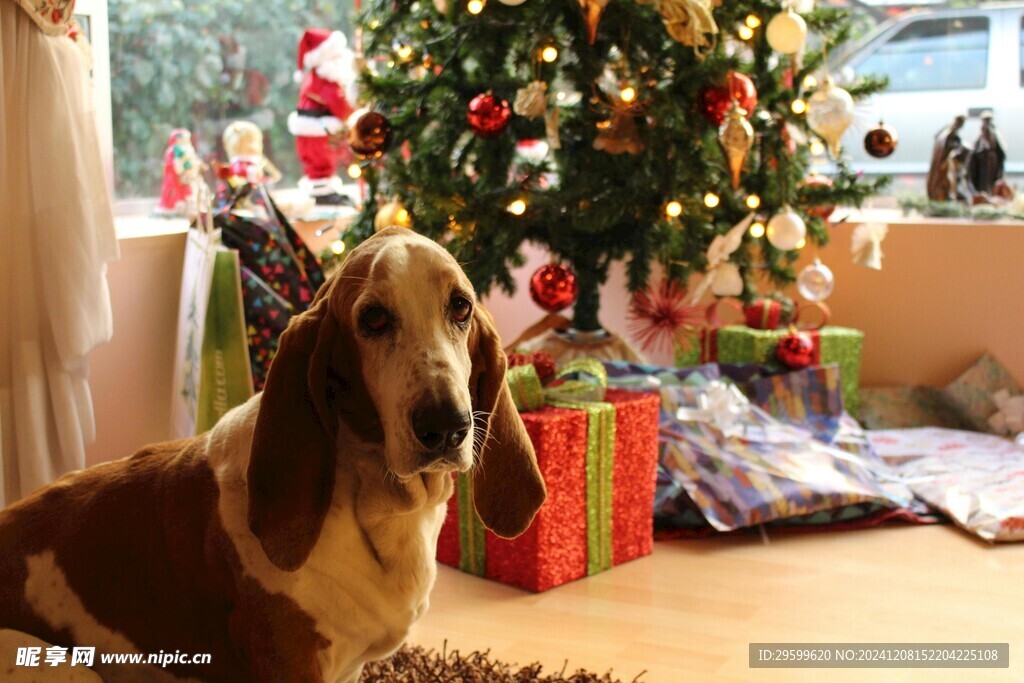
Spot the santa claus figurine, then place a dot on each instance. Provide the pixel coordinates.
(328, 73)
(181, 171)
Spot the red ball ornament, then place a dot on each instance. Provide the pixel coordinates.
(369, 134)
(488, 116)
(715, 101)
(795, 350)
(822, 211)
(553, 287)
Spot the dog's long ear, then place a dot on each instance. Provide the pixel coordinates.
(292, 460)
(507, 484)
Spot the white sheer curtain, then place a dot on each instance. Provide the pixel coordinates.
(56, 235)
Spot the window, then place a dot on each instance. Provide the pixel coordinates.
(935, 54)
(201, 65)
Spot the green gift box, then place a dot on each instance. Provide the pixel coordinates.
(742, 344)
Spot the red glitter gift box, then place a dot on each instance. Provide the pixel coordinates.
(583, 527)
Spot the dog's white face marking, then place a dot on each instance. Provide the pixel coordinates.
(411, 324)
(48, 594)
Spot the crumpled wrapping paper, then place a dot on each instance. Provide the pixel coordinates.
(976, 479)
(742, 467)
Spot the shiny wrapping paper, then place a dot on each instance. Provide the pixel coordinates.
(574, 534)
(976, 479)
(787, 455)
(742, 344)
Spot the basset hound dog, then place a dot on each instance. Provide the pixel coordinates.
(295, 541)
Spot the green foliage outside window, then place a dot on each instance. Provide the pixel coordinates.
(201, 65)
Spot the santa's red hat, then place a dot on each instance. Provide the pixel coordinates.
(318, 45)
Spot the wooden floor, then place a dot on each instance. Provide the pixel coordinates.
(687, 612)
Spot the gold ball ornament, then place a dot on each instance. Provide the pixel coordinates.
(829, 114)
(787, 32)
(736, 137)
(786, 230)
(391, 214)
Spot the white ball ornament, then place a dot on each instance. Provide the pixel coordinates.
(787, 32)
(786, 229)
(830, 113)
(816, 281)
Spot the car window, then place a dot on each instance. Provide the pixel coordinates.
(933, 54)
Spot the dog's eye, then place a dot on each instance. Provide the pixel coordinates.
(460, 308)
(375, 319)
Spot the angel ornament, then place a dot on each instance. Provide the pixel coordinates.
(619, 133)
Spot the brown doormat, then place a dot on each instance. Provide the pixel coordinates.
(414, 664)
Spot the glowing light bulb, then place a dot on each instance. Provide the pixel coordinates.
(354, 171)
(628, 94)
(802, 243)
(560, 95)
(757, 229)
(817, 148)
(549, 53)
(402, 218)
(711, 200)
(375, 24)
(673, 209)
(337, 247)
(475, 6)
(798, 106)
(404, 53)
(753, 21)
(745, 32)
(517, 207)
(810, 83)
(753, 201)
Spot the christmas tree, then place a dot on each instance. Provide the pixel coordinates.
(662, 124)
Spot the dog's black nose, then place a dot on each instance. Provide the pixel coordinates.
(441, 426)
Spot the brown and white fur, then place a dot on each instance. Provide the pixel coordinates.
(295, 541)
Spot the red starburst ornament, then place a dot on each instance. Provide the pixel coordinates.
(660, 318)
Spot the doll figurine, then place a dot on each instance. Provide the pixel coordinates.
(181, 171)
(327, 68)
(243, 143)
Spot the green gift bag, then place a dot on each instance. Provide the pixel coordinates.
(211, 370)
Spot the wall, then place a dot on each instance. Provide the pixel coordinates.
(946, 295)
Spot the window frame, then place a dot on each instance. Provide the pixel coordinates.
(99, 39)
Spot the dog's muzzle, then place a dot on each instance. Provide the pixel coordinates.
(441, 427)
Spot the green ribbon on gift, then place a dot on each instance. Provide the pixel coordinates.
(583, 386)
(472, 533)
(583, 380)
